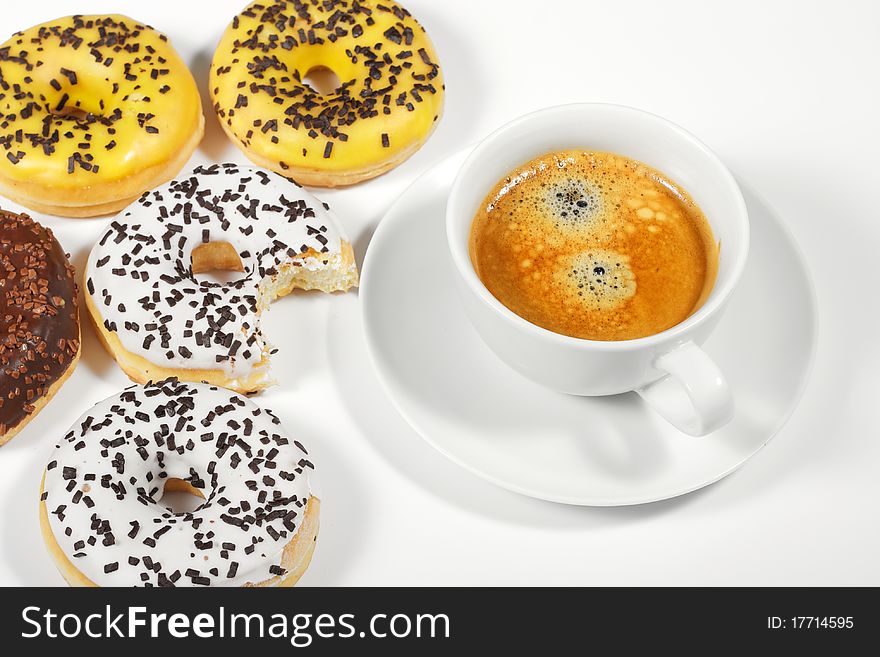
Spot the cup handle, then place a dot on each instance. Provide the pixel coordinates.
(693, 396)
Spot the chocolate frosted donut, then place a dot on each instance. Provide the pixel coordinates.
(39, 320)
(101, 510)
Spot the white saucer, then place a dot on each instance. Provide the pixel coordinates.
(592, 451)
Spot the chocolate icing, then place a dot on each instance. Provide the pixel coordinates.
(39, 317)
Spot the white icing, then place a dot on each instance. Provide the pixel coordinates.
(110, 468)
(140, 272)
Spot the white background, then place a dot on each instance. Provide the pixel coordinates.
(785, 92)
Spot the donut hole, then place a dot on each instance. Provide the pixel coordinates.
(323, 80)
(180, 496)
(216, 262)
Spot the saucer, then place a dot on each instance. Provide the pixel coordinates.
(596, 451)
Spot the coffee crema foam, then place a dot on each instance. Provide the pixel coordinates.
(594, 245)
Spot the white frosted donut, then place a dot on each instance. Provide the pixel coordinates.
(101, 505)
(160, 319)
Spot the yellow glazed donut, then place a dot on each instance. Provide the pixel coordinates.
(94, 110)
(389, 99)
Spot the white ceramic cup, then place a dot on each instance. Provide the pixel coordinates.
(669, 370)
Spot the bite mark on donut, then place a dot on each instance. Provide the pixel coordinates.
(154, 311)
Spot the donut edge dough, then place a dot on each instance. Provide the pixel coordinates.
(295, 558)
(45, 399)
(140, 370)
(121, 193)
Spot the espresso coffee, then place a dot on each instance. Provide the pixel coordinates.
(594, 245)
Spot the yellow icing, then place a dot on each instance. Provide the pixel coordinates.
(107, 82)
(270, 47)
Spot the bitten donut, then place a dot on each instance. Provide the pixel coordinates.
(39, 320)
(93, 111)
(388, 102)
(159, 318)
(101, 511)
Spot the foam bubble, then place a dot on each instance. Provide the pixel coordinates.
(573, 200)
(600, 279)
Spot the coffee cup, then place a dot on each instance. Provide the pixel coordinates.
(669, 370)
